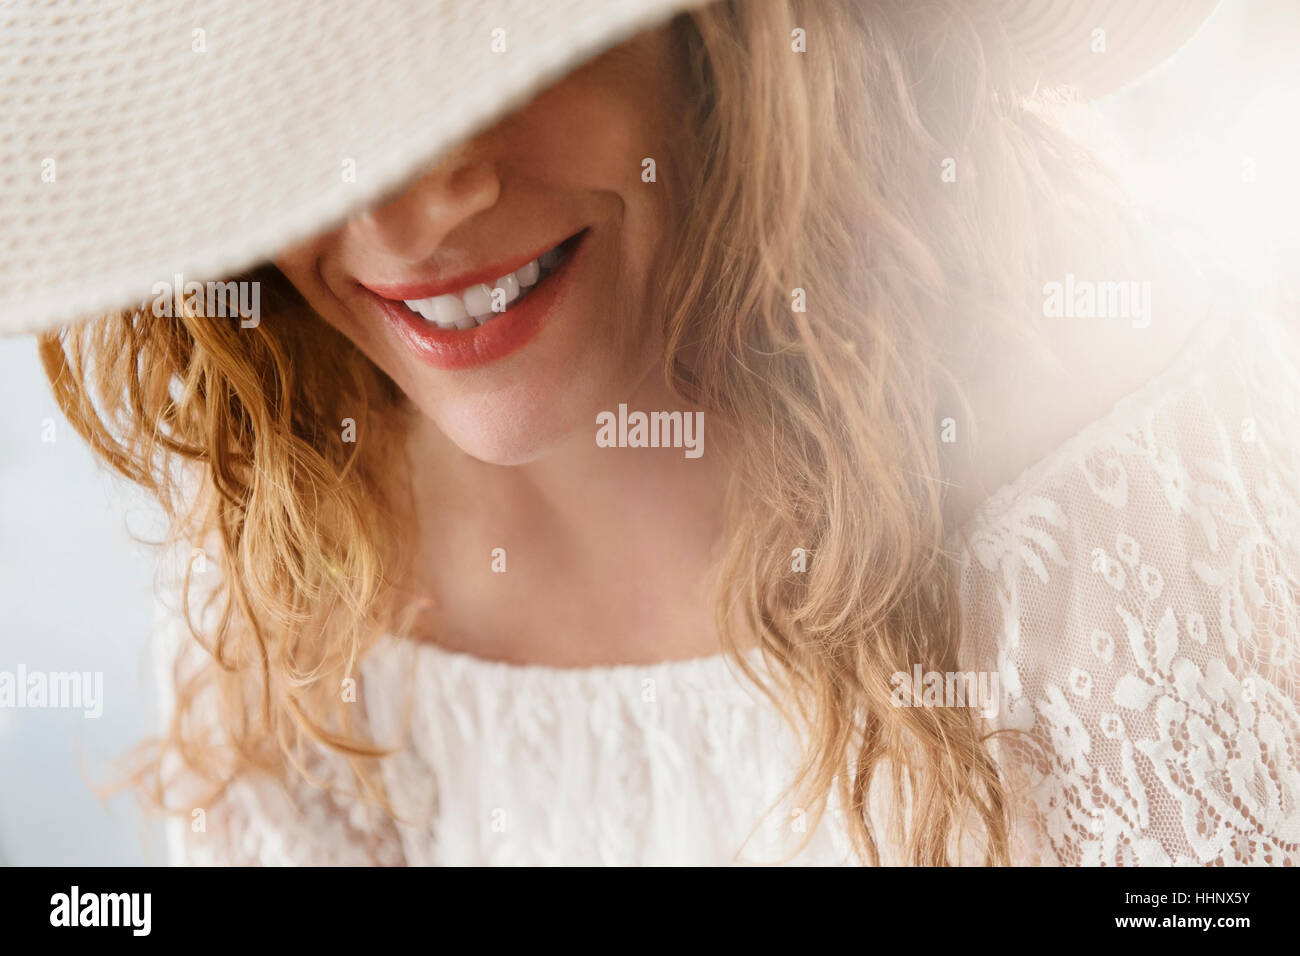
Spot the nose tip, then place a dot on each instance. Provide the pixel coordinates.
(416, 223)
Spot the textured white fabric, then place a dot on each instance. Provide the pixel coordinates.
(145, 138)
(204, 136)
(1137, 591)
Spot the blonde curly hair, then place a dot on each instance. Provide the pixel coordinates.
(821, 173)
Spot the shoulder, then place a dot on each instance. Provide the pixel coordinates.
(312, 812)
(1138, 594)
(1031, 393)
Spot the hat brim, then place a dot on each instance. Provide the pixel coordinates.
(1098, 46)
(153, 139)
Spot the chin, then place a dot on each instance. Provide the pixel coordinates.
(516, 425)
(546, 397)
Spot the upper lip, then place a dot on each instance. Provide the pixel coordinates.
(455, 283)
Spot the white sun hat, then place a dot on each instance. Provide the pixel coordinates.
(140, 139)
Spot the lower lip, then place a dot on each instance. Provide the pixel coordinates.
(456, 349)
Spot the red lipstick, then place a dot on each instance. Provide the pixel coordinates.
(455, 349)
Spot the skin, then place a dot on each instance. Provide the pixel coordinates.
(505, 453)
(611, 553)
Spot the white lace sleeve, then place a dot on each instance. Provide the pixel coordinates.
(259, 820)
(1138, 596)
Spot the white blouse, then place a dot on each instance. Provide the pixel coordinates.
(1137, 594)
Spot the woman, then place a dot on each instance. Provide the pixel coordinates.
(961, 526)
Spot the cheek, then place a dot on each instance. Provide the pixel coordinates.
(589, 137)
(300, 266)
(298, 263)
(597, 136)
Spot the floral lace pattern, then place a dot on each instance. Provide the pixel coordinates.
(1137, 593)
(1140, 598)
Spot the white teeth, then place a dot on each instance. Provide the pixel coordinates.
(478, 299)
(528, 274)
(473, 306)
(446, 310)
(510, 286)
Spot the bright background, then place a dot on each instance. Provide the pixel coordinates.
(1211, 142)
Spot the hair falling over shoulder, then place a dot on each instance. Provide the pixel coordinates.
(830, 168)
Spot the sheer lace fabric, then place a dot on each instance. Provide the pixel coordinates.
(1136, 593)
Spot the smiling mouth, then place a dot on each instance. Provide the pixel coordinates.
(482, 302)
(478, 303)
(484, 318)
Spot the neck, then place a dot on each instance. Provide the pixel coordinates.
(606, 554)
